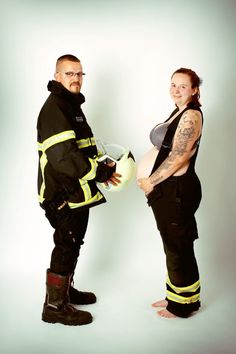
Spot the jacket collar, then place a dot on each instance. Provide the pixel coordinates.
(58, 89)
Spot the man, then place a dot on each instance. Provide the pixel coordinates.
(68, 172)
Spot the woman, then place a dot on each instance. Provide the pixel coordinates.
(167, 176)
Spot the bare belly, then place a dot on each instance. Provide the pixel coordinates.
(145, 165)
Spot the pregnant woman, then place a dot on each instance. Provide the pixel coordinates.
(167, 176)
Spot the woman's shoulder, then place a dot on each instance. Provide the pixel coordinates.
(191, 112)
(191, 118)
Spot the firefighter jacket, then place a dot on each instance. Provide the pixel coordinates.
(68, 166)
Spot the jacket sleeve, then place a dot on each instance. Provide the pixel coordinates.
(58, 141)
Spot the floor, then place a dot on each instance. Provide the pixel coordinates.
(124, 265)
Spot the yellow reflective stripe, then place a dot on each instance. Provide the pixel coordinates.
(182, 299)
(55, 139)
(41, 200)
(94, 199)
(185, 289)
(43, 163)
(92, 173)
(86, 142)
(86, 189)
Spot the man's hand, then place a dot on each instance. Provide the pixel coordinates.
(114, 179)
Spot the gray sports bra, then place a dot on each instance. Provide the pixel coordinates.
(158, 133)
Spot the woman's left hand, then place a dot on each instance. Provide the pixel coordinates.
(145, 185)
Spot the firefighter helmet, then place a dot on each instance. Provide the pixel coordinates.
(125, 165)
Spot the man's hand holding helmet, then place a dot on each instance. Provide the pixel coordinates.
(114, 179)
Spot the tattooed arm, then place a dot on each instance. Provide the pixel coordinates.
(187, 132)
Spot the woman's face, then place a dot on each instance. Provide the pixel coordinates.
(181, 90)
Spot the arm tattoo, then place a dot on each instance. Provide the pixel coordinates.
(183, 141)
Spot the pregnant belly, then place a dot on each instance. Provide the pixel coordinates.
(146, 163)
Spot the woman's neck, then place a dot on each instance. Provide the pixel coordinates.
(182, 107)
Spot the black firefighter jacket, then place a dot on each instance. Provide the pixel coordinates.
(68, 166)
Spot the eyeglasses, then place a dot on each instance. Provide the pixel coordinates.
(72, 74)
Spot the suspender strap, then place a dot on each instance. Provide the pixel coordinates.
(167, 141)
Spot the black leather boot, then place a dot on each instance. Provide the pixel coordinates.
(81, 297)
(56, 308)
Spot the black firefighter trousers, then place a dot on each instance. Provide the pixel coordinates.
(70, 227)
(174, 203)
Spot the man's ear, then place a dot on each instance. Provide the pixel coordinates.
(57, 76)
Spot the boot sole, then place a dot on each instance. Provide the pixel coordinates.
(66, 323)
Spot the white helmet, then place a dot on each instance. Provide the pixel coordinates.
(125, 165)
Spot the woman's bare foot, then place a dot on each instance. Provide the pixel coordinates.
(161, 303)
(165, 313)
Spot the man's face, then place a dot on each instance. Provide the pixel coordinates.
(70, 75)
